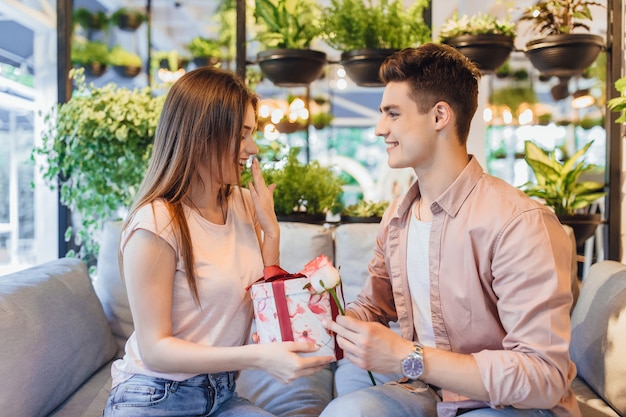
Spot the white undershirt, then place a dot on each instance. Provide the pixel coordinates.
(419, 282)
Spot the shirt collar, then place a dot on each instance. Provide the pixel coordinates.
(453, 198)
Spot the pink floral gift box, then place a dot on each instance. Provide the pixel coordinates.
(285, 310)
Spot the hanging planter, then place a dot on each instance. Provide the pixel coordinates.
(564, 55)
(362, 65)
(564, 50)
(93, 69)
(126, 71)
(291, 67)
(488, 51)
(483, 39)
(128, 20)
(584, 225)
(204, 61)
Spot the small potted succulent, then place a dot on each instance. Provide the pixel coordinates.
(483, 38)
(364, 211)
(368, 31)
(565, 47)
(286, 29)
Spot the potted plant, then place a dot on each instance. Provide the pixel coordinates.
(484, 39)
(562, 50)
(558, 184)
(304, 192)
(93, 56)
(286, 29)
(125, 63)
(368, 31)
(364, 211)
(205, 51)
(97, 146)
(128, 19)
(89, 20)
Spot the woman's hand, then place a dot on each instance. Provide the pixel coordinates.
(281, 360)
(263, 199)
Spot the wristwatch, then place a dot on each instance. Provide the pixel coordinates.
(413, 365)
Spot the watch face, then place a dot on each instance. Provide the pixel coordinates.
(412, 367)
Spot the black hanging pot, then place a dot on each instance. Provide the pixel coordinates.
(291, 67)
(125, 71)
(486, 51)
(203, 61)
(94, 69)
(564, 55)
(129, 22)
(362, 65)
(584, 225)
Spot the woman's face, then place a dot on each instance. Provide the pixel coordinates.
(248, 146)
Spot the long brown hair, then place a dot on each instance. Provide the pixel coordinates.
(200, 124)
(437, 72)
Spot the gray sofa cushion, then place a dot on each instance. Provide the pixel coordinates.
(303, 242)
(55, 336)
(599, 332)
(354, 249)
(110, 288)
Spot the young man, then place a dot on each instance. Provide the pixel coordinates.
(476, 273)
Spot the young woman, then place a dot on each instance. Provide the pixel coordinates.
(192, 243)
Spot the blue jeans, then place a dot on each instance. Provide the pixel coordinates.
(358, 398)
(201, 395)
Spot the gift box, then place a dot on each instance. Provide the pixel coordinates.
(284, 310)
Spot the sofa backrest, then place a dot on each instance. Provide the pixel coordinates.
(53, 334)
(598, 340)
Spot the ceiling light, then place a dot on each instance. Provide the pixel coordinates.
(582, 99)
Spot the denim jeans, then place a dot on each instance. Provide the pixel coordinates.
(201, 395)
(358, 398)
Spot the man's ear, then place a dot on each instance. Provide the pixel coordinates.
(443, 115)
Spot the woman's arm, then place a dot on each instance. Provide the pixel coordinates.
(149, 268)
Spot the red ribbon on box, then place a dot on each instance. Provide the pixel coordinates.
(277, 276)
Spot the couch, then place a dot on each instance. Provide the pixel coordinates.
(61, 328)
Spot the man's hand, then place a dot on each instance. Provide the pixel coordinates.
(369, 345)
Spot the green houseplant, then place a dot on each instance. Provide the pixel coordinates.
(364, 211)
(125, 63)
(558, 184)
(128, 19)
(93, 56)
(89, 20)
(563, 49)
(96, 147)
(304, 192)
(205, 51)
(286, 29)
(367, 31)
(483, 38)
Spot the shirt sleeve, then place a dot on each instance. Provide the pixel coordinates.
(375, 301)
(154, 218)
(531, 279)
